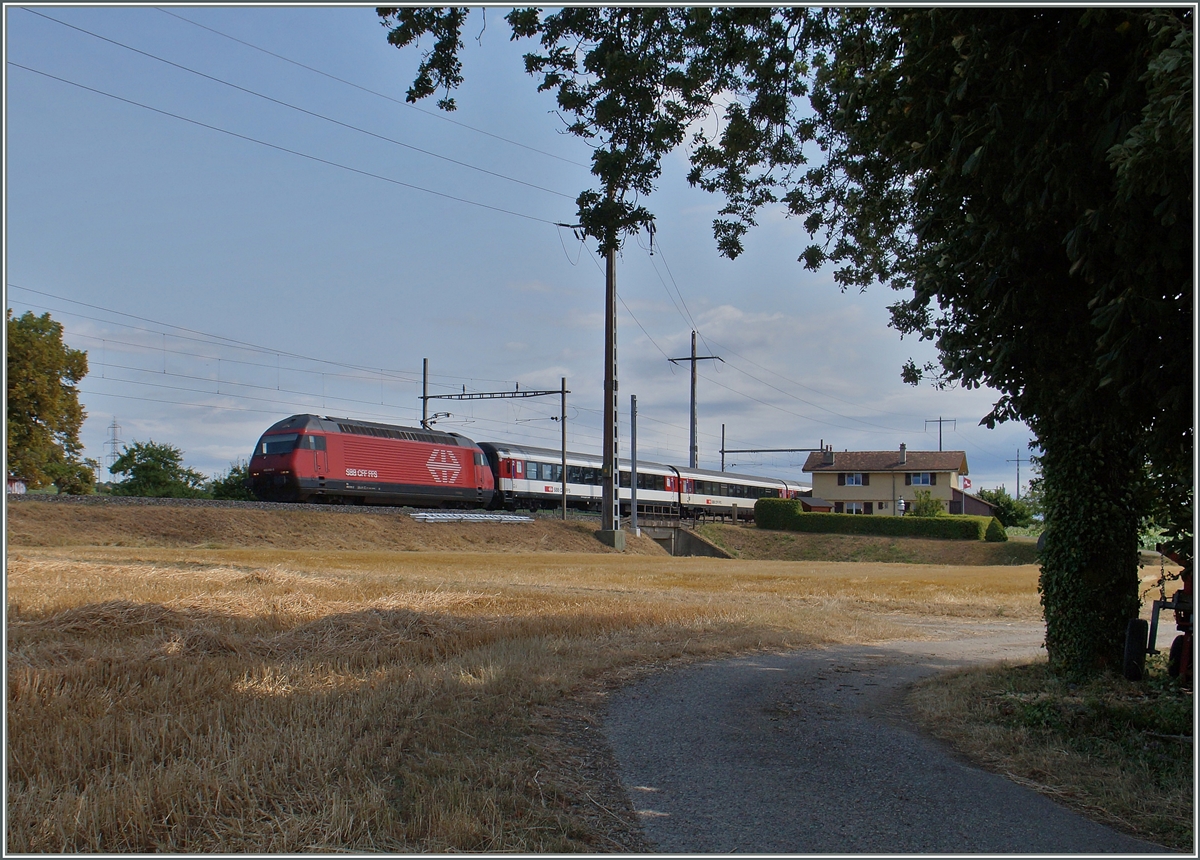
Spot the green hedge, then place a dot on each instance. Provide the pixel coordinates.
(786, 515)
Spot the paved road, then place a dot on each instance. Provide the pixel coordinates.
(808, 752)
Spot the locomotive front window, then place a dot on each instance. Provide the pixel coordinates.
(280, 443)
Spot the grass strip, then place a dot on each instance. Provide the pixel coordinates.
(1117, 751)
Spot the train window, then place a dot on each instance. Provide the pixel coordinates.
(651, 482)
(624, 482)
(312, 443)
(279, 443)
(531, 470)
(480, 459)
(552, 472)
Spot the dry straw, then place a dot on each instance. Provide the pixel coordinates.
(285, 701)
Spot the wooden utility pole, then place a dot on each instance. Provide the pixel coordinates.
(610, 520)
(694, 454)
(939, 422)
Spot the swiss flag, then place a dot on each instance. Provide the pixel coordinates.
(966, 483)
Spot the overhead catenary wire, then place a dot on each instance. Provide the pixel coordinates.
(292, 402)
(787, 411)
(633, 316)
(222, 340)
(700, 334)
(285, 149)
(397, 101)
(302, 110)
(621, 299)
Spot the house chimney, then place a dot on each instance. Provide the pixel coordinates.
(827, 458)
(903, 453)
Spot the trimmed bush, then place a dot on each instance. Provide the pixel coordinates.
(786, 515)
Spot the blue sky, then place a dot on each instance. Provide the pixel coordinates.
(221, 282)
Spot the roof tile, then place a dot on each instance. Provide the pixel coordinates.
(888, 461)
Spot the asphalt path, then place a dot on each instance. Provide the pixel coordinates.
(809, 752)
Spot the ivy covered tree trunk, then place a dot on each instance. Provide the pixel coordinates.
(1089, 578)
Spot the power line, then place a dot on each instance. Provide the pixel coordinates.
(806, 387)
(206, 337)
(622, 300)
(279, 148)
(317, 71)
(788, 411)
(300, 109)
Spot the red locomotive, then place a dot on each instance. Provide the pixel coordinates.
(307, 458)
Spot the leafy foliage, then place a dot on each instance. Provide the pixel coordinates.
(924, 505)
(156, 471)
(1010, 511)
(1023, 175)
(43, 414)
(631, 81)
(982, 163)
(232, 485)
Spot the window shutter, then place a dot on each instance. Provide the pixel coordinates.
(868, 507)
(841, 479)
(838, 508)
(933, 479)
(907, 478)
(866, 479)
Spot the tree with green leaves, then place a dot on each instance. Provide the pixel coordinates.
(984, 163)
(156, 471)
(1022, 176)
(924, 504)
(232, 485)
(1010, 511)
(43, 415)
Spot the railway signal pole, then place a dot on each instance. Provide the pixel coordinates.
(725, 450)
(693, 454)
(502, 395)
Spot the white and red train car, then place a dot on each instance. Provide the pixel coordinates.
(306, 458)
(530, 478)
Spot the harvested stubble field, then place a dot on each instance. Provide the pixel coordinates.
(254, 699)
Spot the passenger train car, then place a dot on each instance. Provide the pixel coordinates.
(306, 458)
(530, 478)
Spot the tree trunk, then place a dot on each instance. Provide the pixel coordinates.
(1089, 578)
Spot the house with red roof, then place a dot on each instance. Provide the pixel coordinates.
(883, 482)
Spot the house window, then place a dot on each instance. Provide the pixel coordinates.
(921, 479)
(854, 507)
(854, 479)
